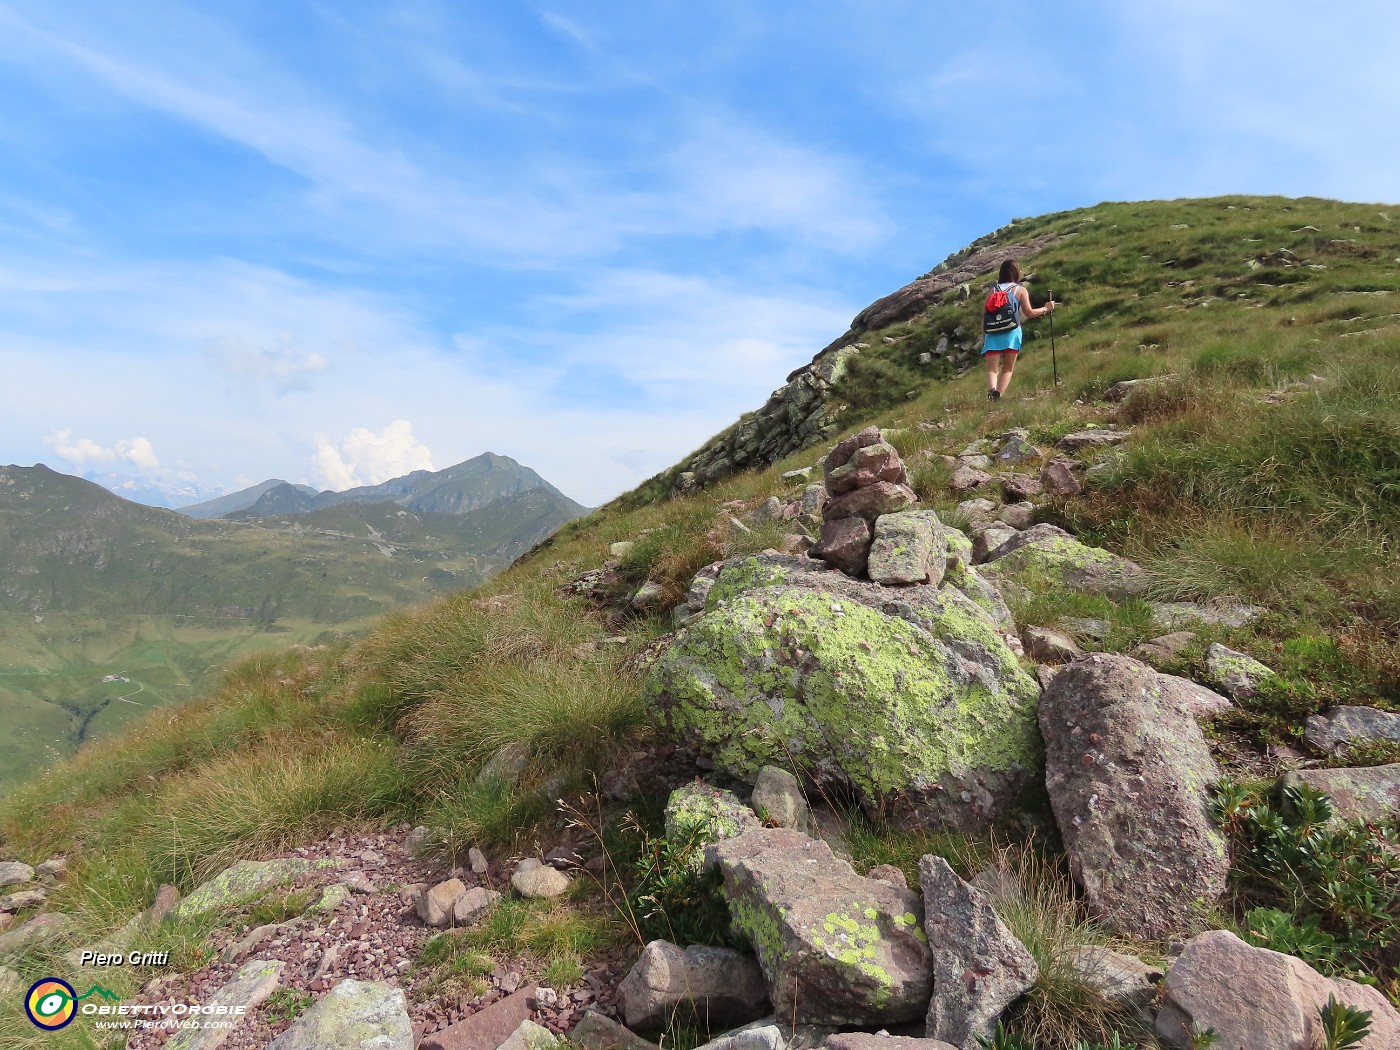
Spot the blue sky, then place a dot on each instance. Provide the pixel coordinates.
(333, 242)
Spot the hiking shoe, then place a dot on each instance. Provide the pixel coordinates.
(993, 395)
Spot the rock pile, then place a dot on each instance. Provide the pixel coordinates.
(865, 479)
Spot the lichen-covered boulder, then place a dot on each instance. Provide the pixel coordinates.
(1129, 775)
(910, 699)
(354, 1015)
(1345, 726)
(908, 548)
(1257, 999)
(1051, 552)
(245, 880)
(835, 948)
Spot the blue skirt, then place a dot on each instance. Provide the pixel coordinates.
(1002, 341)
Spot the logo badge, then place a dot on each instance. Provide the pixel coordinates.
(51, 1003)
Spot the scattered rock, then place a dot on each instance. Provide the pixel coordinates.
(1016, 515)
(978, 512)
(700, 815)
(975, 462)
(1047, 646)
(22, 899)
(908, 548)
(248, 943)
(880, 1041)
(836, 948)
(543, 881)
(986, 540)
(1129, 776)
(354, 1015)
(649, 597)
(1051, 551)
(506, 765)
(332, 897)
(1017, 488)
(253, 983)
(415, 840)
(1345, 726)
(1057, 478)
(1363, 793)
(1238, 675)
(478, 862)
(890, 874)
(15, 873)
(34, 932)
(1120, 390)
(1164, 649)
(720, 985)
(1257, 999)
(1124, 980)
(845, 545)
(436, 905)
(1171, 615)
(53, 868)
(777, 797)
(965, 479)
(472, 904)
(1091, 439)
(599, 1032)
(1017, 450)
(486, 1029)
(359, 882)
(979, 967)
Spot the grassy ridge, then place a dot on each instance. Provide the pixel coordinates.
(1246, 478)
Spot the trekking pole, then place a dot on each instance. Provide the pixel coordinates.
(1054, 366)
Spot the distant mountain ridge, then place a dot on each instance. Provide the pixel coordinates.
(241, 500)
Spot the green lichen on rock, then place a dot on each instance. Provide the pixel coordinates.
(698, 815)
(245, 881)
(744, 575)
(858, 698)
(1057, 556)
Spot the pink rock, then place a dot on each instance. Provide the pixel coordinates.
(487, 1028)
(845, 544)
(1058, 479)
(869, 503)
(841, 454)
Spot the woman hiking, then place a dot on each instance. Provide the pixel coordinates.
(1007, 304)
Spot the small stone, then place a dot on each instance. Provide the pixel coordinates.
(845, 545)
(1057, 478)
(1091, 439)
(332, 898)
(1164, 649)
(1124, 980)
(530, 1036)
(1237, 675)
(1017, 450)
(1016, 515)
(54, 868)
(487, 1028)
(472, 904)
(22, 899)
(479, 864)
(889, 874)
(986, 540)
(793, 477)
(543, 881)
(777, 797)
(1047, 646)
(415, 841)
(965, 479)
(15, 873)
(649, 597)
(908, 547)
(721, 985)
(1017, 488)
(599, 1032)
(435, 906)
(620, 549)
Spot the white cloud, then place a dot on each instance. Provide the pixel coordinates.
(84, 452)
(363, 457)
(282, 365)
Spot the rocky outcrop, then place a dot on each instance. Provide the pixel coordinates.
(979, 967)
(835, 948)
(1129, 775)
(717, 986)
(1343, 727)
(908, 699)
(1256, 999)
(354, 1015)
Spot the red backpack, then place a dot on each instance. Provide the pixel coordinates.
(1002, 311)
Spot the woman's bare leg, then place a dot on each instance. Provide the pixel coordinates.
(1008, 365)
(993, 359)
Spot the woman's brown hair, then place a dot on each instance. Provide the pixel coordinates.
(1010, 272)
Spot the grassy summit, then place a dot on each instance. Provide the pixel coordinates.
(1266, 471)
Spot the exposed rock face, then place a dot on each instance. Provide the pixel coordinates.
(1256, 999)
(911, 698)
(1344, 727)
(1366, 793)
(1049, 550)
(1236, 674)
(979, 967)
(246, 879)
(719, 985)
(1129, 775)
(835, 948)
(909, 547)
(354, 1015)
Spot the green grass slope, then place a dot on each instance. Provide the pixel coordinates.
(1267, 471)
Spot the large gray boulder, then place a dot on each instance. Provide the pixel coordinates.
(1129, 776)
(1051, 552)
(1256, 999)
(1359, 793)
(718, 986)
(354, 1015)
(979, 967)
(836, 948)
(909, 699)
